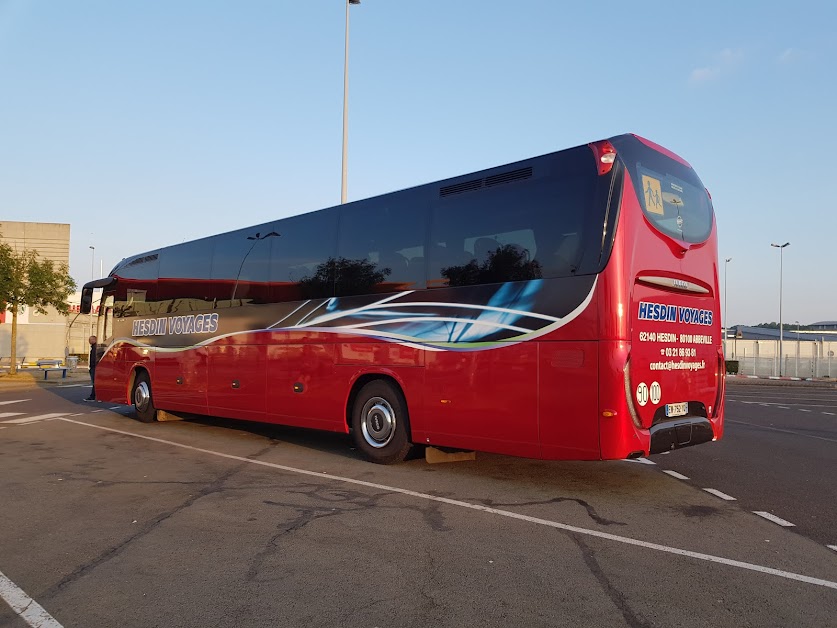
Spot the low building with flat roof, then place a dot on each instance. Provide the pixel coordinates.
(38, 335)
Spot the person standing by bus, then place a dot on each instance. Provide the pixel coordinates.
(92, 363)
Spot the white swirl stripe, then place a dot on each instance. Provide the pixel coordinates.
(436, 319)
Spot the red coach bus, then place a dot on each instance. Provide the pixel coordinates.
(561, 307)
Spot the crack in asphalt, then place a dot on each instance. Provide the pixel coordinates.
(591, 512)
(430, 605)
(341, 502)
(632, 619)
(112, 552)
(72, 477)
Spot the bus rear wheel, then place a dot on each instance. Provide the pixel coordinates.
(380, 423)
(143, 400)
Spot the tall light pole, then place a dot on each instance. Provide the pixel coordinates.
(343, 182)
(726, 303)
(92, 278)
(781, 248)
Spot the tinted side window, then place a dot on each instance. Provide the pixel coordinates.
(303, 257)
(531, 229)
(136, 288)
(241, 265)
(381, 246)
(184, 284)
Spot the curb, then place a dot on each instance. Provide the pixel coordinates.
(781, 381)
(26, 378)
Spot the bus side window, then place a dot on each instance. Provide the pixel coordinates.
(241, 266)
(303, 257)
(566, 256)
(377, 238)
(184, 284)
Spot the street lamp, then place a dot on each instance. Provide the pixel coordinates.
(343, 182)
(726, 303)
(781, 251)
(255, 238)
(92, 278)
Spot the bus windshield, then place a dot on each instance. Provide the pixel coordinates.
(671, 195)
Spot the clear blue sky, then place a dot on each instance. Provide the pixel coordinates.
(145, 123)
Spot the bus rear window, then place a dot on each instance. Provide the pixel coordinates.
(670, 193)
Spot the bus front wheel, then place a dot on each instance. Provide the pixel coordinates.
(143, 400)
(380, 423)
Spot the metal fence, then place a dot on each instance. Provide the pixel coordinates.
(804, 359)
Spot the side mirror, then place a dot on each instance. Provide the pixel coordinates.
(87, 292)
(86, 300)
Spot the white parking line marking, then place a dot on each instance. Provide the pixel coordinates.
(5, 403)
(40, 417)
(774, 519)
(829, 413)
(834, 547)
(640, 460)
(115, 408)
(674, 474)
(6, 415)
(783, 407)
(776, 403)
(95, 411)
(28, 609)
(718, 493)
(486, 509)
(76, 386)
(803, 410)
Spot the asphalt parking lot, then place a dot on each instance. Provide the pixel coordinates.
(208, 522)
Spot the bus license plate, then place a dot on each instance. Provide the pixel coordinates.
(677, 409)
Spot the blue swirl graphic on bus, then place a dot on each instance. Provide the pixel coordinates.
(507, 316)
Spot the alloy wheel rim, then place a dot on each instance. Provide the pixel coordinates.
(378, 422)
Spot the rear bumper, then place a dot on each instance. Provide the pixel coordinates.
(682, 433)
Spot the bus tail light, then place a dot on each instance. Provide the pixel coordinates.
(720, 384)
(605, 155)
(629, 395)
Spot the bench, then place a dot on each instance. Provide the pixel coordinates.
(51, 366)
(52, 369)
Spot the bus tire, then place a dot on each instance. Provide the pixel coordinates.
(380, 423)
(143, 400)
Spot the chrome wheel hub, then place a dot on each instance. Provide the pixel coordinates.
(377, 422)
(142, 396)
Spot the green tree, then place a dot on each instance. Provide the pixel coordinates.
(28, 281)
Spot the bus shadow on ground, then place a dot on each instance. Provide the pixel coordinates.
(593, 477)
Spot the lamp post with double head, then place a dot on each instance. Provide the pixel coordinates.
(344, 177)
(781, 248)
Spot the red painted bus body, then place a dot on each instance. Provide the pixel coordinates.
(616, 355)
